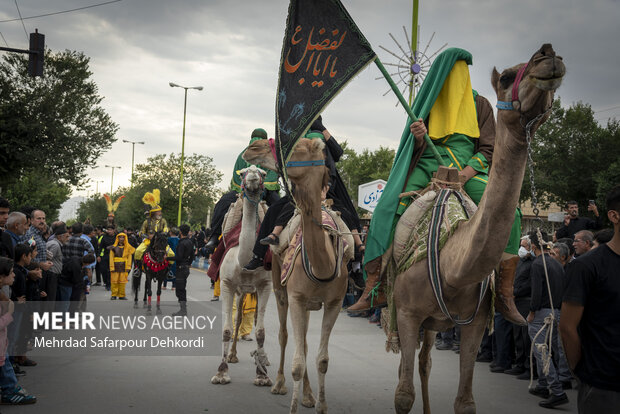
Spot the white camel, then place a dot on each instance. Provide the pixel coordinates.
(235, 280)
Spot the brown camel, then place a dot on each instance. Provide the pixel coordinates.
(302, 294)
(476, 246)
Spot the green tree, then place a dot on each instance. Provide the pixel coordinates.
(575, 158)
(38, 190)
(94, 209)
(162, 172)
(51, 128)
(356, 169)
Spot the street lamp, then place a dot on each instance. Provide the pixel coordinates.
(133, 147)
(174, 85)
(112, 180)
(97, 186)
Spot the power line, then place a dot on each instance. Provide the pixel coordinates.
(22, 20)
(60, 12)
(5, 42)
(608, 109)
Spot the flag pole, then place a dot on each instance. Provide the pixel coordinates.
(404, 104)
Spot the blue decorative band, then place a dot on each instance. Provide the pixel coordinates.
(312, 163)
(504, 105)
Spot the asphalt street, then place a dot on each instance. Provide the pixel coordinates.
(361, 378)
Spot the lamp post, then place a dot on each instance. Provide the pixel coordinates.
(174, 85)
(112, 180)
(133, 147)
(97, 186)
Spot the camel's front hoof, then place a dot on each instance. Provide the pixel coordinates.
(308, 401)
(220, 378)
(158, 312)
(279, 387)
(135, 305)
(403, 402)
(232, 358)
(321, 408)
(262, 381)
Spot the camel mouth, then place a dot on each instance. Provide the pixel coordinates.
(547, 84)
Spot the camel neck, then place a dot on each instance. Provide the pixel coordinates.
(317, 243)
(249, 224)
(471, 254)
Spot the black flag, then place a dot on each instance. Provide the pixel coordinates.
(323, 49)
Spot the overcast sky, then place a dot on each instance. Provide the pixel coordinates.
(232, 49)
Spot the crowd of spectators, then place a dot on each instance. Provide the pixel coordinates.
(553, 279)
(52, 267)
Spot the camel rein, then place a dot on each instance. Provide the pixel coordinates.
(545, 347)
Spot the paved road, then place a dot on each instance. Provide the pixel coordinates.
(361, 379)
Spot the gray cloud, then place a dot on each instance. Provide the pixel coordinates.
(233, 50)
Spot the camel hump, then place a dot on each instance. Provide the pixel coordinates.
(233, 216)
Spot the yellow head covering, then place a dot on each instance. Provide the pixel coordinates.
(454, 111)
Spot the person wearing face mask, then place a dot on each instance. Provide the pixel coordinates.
(522, 292)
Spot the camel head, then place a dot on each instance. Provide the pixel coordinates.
(536, 82)
(259, 153)
(310, 180)
(252, 179)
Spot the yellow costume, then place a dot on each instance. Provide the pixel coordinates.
(155, 223)
(121, 258)
(249, 310)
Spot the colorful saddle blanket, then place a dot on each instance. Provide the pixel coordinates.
(295, 244)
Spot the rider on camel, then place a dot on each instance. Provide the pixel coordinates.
(272, 193)
(462, 126)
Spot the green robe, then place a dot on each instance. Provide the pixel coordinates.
(271, 180)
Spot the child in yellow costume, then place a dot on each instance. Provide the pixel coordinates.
(247, 320)
(121, 256)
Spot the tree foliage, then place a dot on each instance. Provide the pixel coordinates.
(163, 172)
(575, 158)
(52, 129)
(38, 190)
(53, 124)
(356, 169)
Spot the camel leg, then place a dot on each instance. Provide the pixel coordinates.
(260, 356)
(471, 336)
(299, 317)
(330, 314)
(227, 296)
(408, 330)
(424, 369)
(232, 357)
(282, 306)
(308, 399)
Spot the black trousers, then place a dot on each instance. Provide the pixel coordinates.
(521, 337)
(278, 214)
(222, 206)
(98, 272)
(49, 284)
(105, 270)
(181, 288)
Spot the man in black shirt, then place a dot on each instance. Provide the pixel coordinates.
(541, 306)
(107, 241)
(573, 223)
(590, 324)
(184, 259)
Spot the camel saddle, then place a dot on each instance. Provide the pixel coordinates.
(235, 213)
(291, 241)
